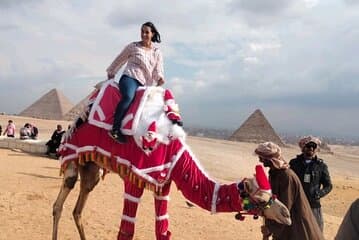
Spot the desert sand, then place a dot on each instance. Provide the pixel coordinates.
(30, 184)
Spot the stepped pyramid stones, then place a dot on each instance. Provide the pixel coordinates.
(256, 129)
(53, 105)
(77, 109)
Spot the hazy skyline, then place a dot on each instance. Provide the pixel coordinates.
(296, 60)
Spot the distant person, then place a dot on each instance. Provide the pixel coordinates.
(25, 131)
(10, 129)
(144, 68)
(288, 189)
(0, 130)
(349, 228)
(34, 132)
(54, 143)
(314, 175)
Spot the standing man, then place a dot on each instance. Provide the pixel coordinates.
(288, 189)
(313, 174)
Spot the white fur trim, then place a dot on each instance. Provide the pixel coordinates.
(175, 159)
(214, 198)
(163, 217)
(140, 109)
(85, 149)
(68, 157)
(131, 198)
(71, 146)
(128, 219)
(100, 113)
(154, 169)
(162, 198)
(123, 161)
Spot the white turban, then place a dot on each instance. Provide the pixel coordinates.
(272, 152)
(302, 142)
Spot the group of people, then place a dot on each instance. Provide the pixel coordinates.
(299, 184)
(28, 131)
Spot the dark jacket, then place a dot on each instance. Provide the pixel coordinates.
(318, 183)
(55, 141)
(287, 187)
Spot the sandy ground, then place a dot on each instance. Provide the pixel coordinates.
(30, 184)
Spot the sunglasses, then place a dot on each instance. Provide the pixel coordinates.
(311, 145)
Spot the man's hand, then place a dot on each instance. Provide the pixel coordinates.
(110, 76)
(160, 82)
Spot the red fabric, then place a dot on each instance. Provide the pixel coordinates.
(262, 178)
(101, 114)
(199, 189)
(161, 210)
(89, 138)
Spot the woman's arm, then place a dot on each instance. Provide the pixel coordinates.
(158, 71)
(119, 61)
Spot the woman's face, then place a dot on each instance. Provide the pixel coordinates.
(146, 34)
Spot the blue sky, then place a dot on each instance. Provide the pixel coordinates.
(296, 60)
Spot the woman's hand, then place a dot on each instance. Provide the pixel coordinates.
(160, 82)
(110, 76)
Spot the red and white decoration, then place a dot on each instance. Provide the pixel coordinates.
(154, 155)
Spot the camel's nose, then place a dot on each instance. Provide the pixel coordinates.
(286, 216)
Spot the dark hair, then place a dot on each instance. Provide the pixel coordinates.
(156, 35)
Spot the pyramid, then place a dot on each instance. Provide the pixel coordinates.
(53, 105)
(256, 129)
(77, 109)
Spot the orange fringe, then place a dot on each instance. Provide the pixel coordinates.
(123, 170)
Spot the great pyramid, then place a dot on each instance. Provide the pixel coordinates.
(53, 105)
(256, 129)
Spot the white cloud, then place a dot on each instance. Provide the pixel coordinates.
(234, 53)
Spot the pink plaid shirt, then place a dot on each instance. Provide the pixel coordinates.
(145, 65)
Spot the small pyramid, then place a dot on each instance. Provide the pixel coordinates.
(53, 105)
(77, 109)
(256, 129)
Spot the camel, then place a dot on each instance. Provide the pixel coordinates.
(154, 156)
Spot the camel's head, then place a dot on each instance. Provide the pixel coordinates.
(261, 201)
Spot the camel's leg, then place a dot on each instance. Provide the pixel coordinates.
(90, 176)
(70, 178)
(161, 202)
(131, 200)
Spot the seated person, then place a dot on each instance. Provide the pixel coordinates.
(34, 132)
(54, 143)
(25, 131)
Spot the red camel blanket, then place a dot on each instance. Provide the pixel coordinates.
(92, 142)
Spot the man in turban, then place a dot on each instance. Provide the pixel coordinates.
(288, 189)
(313, 173)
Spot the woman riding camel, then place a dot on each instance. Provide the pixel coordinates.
(144, 68)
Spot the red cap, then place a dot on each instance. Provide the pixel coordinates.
(152, 127)
(262, 179)
(168, 95)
